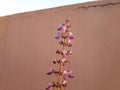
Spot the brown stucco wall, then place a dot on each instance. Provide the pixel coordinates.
(27, 47)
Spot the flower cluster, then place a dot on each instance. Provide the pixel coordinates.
(64, 73)
(65, 38)
(64, 53)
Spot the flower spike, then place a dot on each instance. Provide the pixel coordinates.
(65, 38)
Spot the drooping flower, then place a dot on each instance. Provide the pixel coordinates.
(63, 59)
(61, 43)
(64, 52)
(67, 73)
(64, 35)
(51, 71)
(55, 61)
(50, 86)
(70, 74)
(71, 37)
(58, 52)
(58, 36)
(69, 52)
(64, 82)
(70, 33)
(69, 43)
(62, 27)
(64, 77)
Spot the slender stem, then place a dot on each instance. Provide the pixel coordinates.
(59, 77)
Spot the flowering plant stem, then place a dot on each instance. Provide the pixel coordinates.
(60, 68)
(65, 37)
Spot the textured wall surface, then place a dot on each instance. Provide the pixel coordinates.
(27, 47)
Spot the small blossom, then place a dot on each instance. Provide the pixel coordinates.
(57, 37)
(55, 61)
(71, 37)
(70, 33)
(70, 76)
(50, 72)
(62, 27)
(69, 41)
(61, 43)
(65, 72)
(64, 77)
(64, 35)
(64, 52)
(64, 82)
(58, 52)
(63, 64)
(69, 44)
(69, 52)
(50, 86)
(63, 59)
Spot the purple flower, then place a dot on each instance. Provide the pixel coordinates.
(71, 37)
(70, 76)
(67, 73)
(55, 61)
(57, 37)
(50, 72)
(63, 64)
(64, 52)
(64, 77)
(69, 44)
(62, 27)
(50, 86)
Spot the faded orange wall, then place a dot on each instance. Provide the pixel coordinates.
(27, 47)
